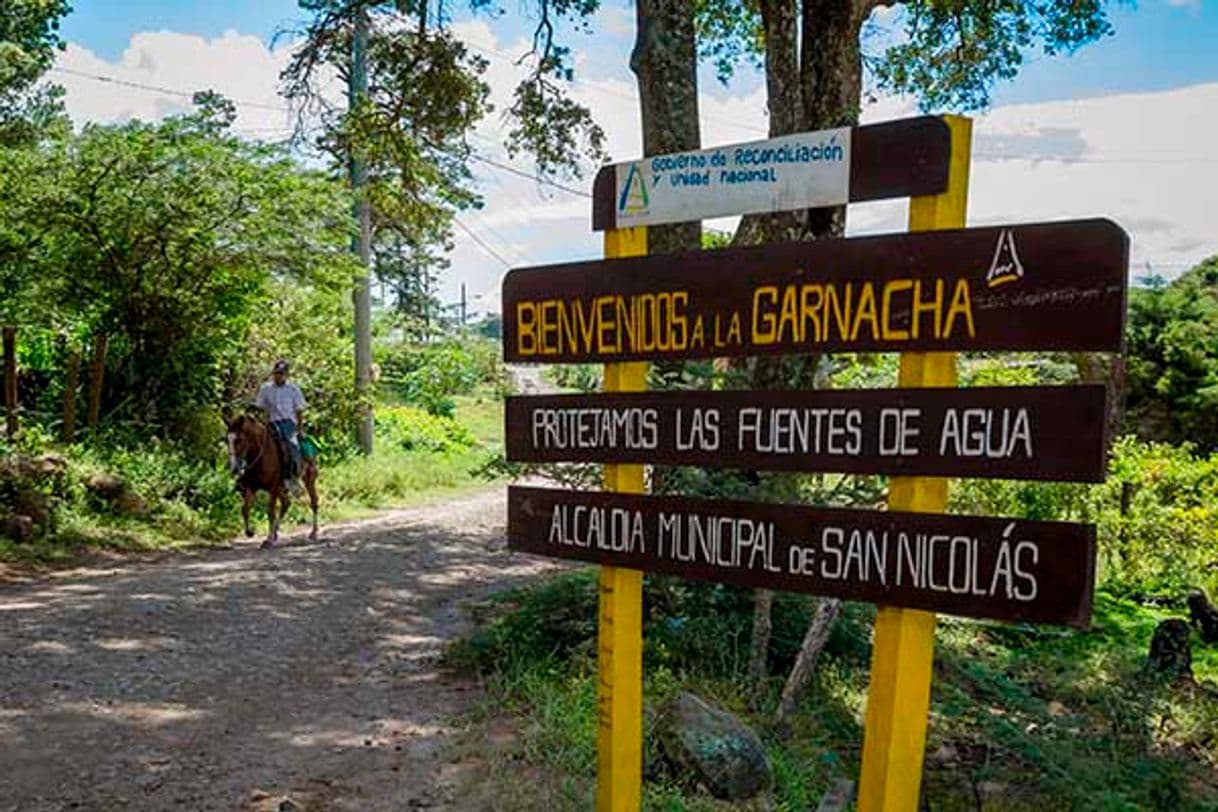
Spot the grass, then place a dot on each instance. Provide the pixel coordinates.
(1022, 718)
(394, 477)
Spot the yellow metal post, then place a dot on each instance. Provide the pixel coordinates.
(898, 700)
(619, 698)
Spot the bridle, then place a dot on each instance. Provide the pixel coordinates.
(247, 463)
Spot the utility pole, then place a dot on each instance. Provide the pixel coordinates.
(357, 88)
(462, 305)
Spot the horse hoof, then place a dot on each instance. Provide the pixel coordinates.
(249, 533)
(268, 544)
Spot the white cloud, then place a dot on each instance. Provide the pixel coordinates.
(1145, 160)
(238, 66)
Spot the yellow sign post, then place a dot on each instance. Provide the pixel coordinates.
(898, 700)
(619, 693)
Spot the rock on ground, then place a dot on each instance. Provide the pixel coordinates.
(712, 747)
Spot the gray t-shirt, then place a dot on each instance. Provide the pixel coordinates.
(280, 402)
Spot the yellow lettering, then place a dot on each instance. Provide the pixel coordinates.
(961, 304)
(626, 325)
(733, 329)
(698, 340)
(839, 311)
(790, 313)
(680, 323)
(811, 300)
(605, 325)
(526, 328)
(764, 323)
(548, 318)
(934, 307)
(886, 328)
(866, 310)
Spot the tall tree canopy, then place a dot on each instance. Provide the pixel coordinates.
(1172, 350)
(29, 39)
(425, 94)
(169, 238)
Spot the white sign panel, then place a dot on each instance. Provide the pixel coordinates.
(801, 171)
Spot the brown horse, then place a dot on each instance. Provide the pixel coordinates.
(258, 462)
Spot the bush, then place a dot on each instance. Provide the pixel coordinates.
(413, 429)
(429, 375)
(1157, 515)
(579, 377)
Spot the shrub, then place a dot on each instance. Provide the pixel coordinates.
(429, 375)
(413, 429)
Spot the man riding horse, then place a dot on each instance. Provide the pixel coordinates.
(268, 456)
(284, 403)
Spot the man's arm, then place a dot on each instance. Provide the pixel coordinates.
(301, 405)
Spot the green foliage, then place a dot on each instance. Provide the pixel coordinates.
(170, 238)
(948, 55)
(1172, 367)
(430, 375)
(1157, 515)
(576, 377)
(29, 41)
(416, 430)
(1027, 717)
(1158, 520)
(952, 54)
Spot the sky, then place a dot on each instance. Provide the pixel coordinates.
(1121, 129)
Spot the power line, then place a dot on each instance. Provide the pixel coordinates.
(189, 94)
(490, 251)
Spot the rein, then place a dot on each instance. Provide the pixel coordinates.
(250, 464)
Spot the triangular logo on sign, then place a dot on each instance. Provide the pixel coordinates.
(634, 198)
(1006, 266)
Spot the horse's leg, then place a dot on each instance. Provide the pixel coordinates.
(285, 501)
(310, 481)
(271, 503)
(247, 502)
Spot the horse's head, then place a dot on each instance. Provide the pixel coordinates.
(243, 439)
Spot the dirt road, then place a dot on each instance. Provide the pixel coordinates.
(305, 678)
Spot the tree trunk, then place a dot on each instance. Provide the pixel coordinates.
(665, 64)
(826, 94)
(70, 387)
(1102, 368)
(763, 627)
(97, 371)
(10, 381)
(827, 611)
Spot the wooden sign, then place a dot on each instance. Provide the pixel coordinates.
(799, 171)
(1054, 433)
(1004, 569)
(1050, 286)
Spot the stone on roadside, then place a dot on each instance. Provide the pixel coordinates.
(107, 486)
(1170, 650)
(131, 504)
(713, 747)
(1204, 616)
(19, 528)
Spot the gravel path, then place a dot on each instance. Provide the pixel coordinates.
(236, 679)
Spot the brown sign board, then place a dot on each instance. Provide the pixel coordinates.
(1048, 286)
(1054, 433)
(1002, 569)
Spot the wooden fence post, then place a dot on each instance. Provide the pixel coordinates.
(10, 380)
(70, 387)
(97, 372)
